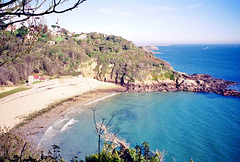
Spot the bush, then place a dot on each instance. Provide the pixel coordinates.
(66, 55)
(95, 35)
(44, 36)
(172, 77)
(139, 153)
(13, 146)
(59, 39)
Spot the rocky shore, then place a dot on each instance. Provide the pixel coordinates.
(189, 83)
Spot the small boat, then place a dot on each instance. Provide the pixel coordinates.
(205, 48)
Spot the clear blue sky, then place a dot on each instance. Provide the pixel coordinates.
(157, 21)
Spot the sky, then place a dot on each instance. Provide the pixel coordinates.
(157, 21)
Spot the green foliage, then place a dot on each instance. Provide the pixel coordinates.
(59, 39)
(54, 26)
(130, 63)
(154, 77)
(21, 32)
(66, 59)
(76, 35)
(44, 36)
(139, 153)
(172, 77)
(37, 82)
(60, 55)
(7, 93)
(106, 156)
(167, 75)
(13, 147)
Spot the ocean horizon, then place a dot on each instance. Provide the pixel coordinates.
(201, 126)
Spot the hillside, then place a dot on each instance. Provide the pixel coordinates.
(103, 57)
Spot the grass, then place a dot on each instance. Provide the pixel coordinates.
(37, 82)
(59, 39)
(7, 93)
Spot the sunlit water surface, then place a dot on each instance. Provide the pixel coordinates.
(202, 126)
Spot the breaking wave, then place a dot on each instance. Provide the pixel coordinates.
(100, 99)
(68, 125)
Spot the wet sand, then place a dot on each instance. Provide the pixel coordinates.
(14, 108)
(46, 102)
(34, 130)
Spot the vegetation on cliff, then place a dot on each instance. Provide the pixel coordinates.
(108, 57)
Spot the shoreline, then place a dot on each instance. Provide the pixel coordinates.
(16, 107)
(34, 130)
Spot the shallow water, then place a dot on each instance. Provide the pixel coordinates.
(202, 126)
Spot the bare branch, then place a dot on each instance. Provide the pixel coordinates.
(22, 151)
(8, 3)
(13, 22)
(112, 116)
(23, 10)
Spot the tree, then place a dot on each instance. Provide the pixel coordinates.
(95, 35)
(13, 11)
(22, 31)
(19, 43)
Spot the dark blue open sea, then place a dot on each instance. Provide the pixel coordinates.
(201, 126)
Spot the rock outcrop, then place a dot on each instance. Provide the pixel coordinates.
(189, 83)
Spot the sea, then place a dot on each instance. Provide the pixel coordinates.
(185, 125)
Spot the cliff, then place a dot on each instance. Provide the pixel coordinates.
(189, 83)
(107, 58)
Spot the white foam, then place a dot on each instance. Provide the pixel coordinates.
(100, 99)
(49, 134)
(55, 129)
(80, 111)
(58, 124)
(75, 110)
(68, 125)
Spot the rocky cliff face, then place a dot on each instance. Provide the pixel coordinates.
(183, 82)
(189, 83)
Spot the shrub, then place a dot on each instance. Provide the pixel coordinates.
(139, 153)
(44, 36)
(13, 146)
(172, 77)
(59, 39)
(95, 35)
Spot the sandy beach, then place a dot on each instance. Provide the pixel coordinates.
(73, 90)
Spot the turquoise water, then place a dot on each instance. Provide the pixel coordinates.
(202, 126)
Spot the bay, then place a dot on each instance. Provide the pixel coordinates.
(202, 126)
